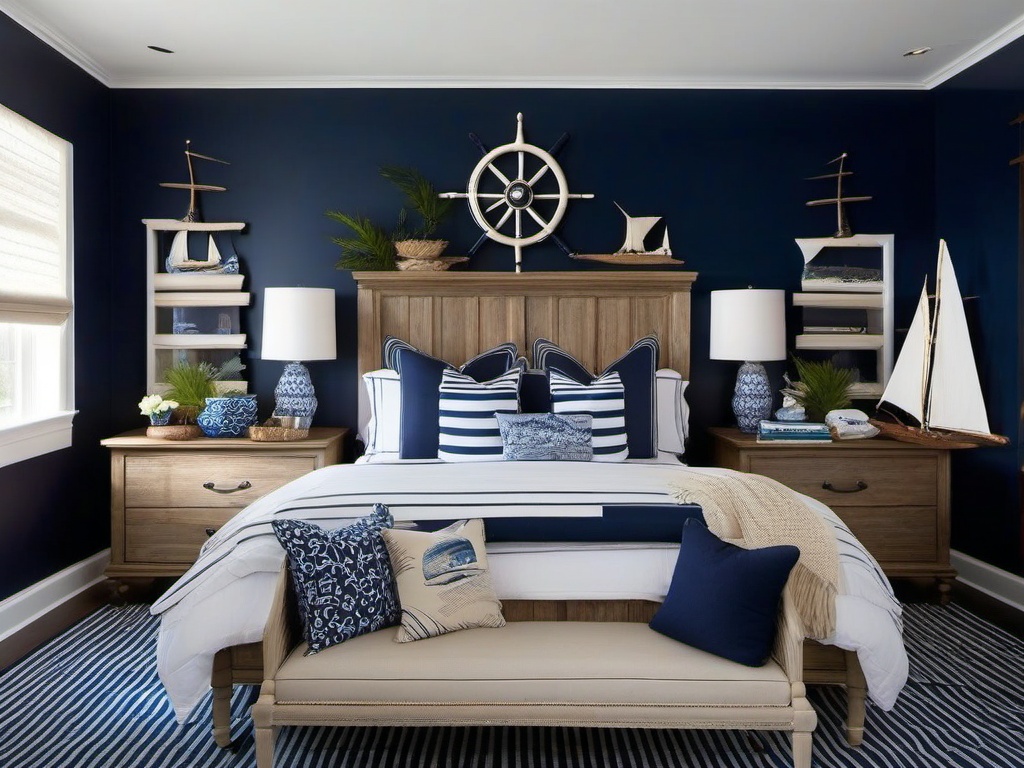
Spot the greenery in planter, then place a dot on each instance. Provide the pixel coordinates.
(190, 385)
(823, 387)
(421, 196)
(371, 248)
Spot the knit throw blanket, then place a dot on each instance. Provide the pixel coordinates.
(767, 513)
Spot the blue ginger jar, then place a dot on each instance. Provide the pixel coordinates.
(227, 416)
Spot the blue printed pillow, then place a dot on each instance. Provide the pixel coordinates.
(602, 400)
(724, 599)
(636, 370)
(545, 437)
(467, 411)
(343, 580)
(420, 380)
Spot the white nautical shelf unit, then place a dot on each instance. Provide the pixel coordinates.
(876, 302)
(167, 291)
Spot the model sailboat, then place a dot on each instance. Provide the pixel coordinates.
(935, 379)
(634, 251)
(214, 264)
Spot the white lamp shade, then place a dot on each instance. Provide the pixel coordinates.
(298, 324)
(748, 324)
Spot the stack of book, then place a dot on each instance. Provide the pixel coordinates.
(793, 432)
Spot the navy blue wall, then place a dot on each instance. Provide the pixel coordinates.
(55, 510)
(976, 212)
(724, 168)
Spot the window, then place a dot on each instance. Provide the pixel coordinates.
(36, 341)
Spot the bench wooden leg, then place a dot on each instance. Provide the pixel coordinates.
(805, 720)
(263, 719)
(222, 686)
(856, 693)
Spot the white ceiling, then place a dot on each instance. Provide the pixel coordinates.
(572, 43)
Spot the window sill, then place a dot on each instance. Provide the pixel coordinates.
(34, 438)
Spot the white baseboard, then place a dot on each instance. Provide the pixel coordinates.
(995, 582)
(21, 609)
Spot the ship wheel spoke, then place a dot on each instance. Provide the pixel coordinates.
(491, 195)
(519, 222)
(522, 163)
(501, 176)
(495, 204)
(548, 196)
(504, 218)
(539, 174)
(536, 217)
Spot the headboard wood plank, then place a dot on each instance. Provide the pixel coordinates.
(593, 315)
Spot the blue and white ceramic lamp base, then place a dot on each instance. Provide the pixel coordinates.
(294, 394)
(752, 399)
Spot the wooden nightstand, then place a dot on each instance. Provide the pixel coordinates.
(893, 495)
(167, 497)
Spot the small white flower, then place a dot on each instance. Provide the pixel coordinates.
(151, 404)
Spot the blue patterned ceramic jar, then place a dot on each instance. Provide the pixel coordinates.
(160, 419)
(227, 416)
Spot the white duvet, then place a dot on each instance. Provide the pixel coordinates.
(224, 599)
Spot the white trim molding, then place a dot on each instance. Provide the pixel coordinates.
(995, 582)
(982, 50)
(32, 603)
(34, 438)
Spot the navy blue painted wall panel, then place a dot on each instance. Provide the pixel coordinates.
(725, 168)
(54, 510)
(976, 212)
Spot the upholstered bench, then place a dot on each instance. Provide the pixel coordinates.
(557, 673)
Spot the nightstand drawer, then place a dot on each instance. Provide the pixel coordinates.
(894, 535)
(210, 480)
(170, 535)
(841, 481)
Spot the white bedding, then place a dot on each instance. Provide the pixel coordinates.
(225, 598)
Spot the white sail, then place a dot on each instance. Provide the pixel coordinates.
(905, 388)
(637, 228)
(955, 399)
(179, 250)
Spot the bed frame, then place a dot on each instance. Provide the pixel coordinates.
(594, 315)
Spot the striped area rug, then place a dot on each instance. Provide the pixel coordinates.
(91, 699)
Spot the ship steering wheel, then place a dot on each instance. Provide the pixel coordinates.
(518, 194)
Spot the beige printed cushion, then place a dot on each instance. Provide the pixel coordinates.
(443, 581)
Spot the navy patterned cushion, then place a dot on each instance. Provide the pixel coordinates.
(545, 437)
(636, 370)
(342, 579)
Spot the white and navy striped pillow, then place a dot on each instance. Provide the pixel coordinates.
(468, 428)
(605, 400)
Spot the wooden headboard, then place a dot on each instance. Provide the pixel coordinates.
(595, 316)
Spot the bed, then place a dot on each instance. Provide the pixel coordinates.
(212, 619)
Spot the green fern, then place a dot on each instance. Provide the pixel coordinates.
(823, 387)
(191, 384)
(421, 197)
(371, 248)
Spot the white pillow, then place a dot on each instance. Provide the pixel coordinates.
(672, 410)
(380, 412)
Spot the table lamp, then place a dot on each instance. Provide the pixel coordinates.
(298, 325)
(749, 325)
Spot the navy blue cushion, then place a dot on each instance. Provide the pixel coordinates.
(343, 580)
(534, 392)
(636, 370)
(420, 380)
(725, 599)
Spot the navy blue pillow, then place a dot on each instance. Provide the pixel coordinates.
(419, 383)
(725, 599)
(636, 370)
(534, 392)
(343, 580)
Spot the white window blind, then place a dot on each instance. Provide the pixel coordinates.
(34, 200)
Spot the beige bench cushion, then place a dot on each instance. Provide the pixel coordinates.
(529, 662)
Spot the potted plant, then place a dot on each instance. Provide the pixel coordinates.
(421, 196)
(190, 385)
(158, 409)
(823, 387)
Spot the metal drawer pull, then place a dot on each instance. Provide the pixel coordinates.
(241, 487)
(861, 486)
(210, 531)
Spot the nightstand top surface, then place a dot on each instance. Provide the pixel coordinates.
(319, 437)
(733, 436)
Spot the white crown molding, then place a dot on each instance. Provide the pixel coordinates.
(518, 82)
(26, 18)
(985, 48)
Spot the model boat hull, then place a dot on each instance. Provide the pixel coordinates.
(937, 438)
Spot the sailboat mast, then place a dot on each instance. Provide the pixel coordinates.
(839, 198)
(192, 214)
(932, 336)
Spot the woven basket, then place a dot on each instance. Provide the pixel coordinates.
(420, 249)
(174, 432)
(429, 265)
(276, 434)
